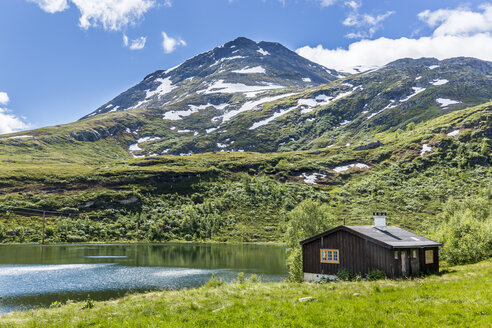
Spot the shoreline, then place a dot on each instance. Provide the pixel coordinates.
(406, 302)
(170, 242)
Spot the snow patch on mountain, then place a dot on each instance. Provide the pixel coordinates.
(263, 52)
(313, 177)
(250, 70)
(135, 147)
(444, 102)
(453, 133)
(439, 82)
(249, 105)
(226, 59)
(164, 88)
(392, 104)
(271, 118)
(176, 115)
(322, 100)
(416, 91)
(344, 168)
(425, 149)
(172, 69)
(224, 87)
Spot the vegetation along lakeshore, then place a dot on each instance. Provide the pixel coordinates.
(330, 168)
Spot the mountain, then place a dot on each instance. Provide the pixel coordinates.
(240, 66)
(260, 97)
(265, 129)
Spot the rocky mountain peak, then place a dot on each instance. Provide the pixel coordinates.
(238, 66)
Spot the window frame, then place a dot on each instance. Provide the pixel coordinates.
(429, 256)
(335, 255)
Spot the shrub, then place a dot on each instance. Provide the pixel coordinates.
(294, 263)
(254, 278)
(376, 275)
(466, 233)
(89, 303)
(345, 275)
(214, 282)
(241, 278)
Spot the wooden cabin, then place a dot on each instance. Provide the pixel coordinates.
(361, 249)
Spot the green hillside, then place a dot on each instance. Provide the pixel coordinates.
(236, 196)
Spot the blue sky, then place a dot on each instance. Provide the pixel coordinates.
(61, 59)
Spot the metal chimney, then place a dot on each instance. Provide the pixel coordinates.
(380, 220)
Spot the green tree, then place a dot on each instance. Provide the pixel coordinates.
(466, 232)
(307, 219)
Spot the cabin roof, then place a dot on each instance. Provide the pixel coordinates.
(394, 237)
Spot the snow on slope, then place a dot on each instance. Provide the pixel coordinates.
(250, 70)
(165, 87)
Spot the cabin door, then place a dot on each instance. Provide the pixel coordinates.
(404, 266)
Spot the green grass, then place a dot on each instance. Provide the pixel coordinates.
(237, 197)
(459, 298)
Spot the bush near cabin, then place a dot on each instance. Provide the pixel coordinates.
(466, 232)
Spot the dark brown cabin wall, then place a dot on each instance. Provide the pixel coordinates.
(357, 255)
(351, 250)
(432, 267)
(379, 258)
(311, 256)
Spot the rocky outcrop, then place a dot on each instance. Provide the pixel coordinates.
(370, 145)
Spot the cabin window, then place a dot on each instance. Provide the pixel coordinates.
(429, 256)
(329, 256)
(414, 253)
(396, 255)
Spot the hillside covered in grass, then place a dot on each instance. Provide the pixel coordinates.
(241, 196)
(459, 297)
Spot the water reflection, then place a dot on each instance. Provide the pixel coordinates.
(32, 275)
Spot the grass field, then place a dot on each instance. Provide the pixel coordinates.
(460, 297)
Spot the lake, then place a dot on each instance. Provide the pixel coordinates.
(37, 275)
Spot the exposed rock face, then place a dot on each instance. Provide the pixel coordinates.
(370, 145)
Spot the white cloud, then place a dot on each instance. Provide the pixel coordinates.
(125, 40)
(450, 38)
(8, 121)
(135, 44)
(139, 43)
(51, 6)
(366, 24)
(353, 4)
(370, 53)
(460, 21)
(327, 3)
(4, 98)
(170, 44)
(112, 15)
